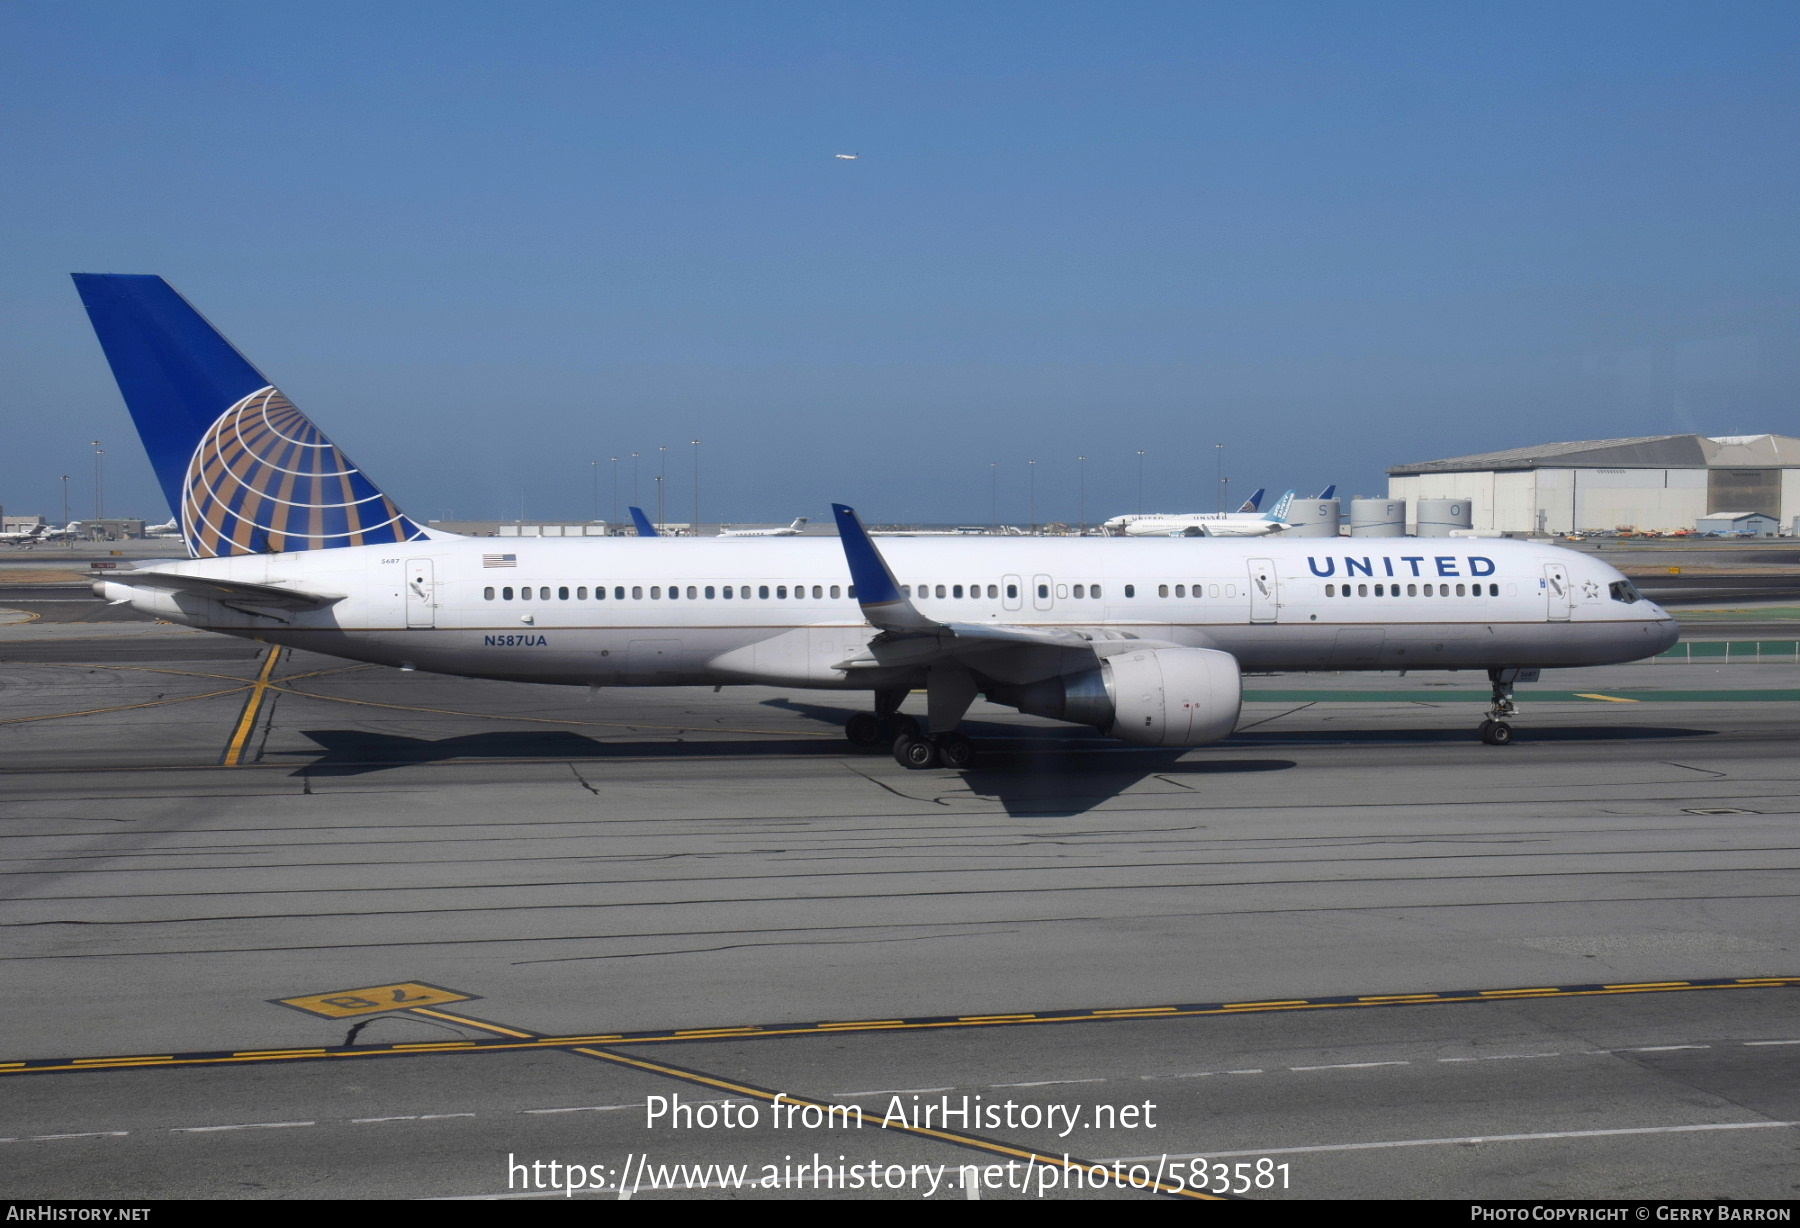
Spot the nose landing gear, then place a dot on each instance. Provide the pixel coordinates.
(1495, 730)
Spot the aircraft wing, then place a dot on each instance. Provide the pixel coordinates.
(228, 590)
(908, 637)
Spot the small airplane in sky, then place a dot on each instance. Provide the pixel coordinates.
(847, 157)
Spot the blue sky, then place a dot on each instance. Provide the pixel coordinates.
(485, 245)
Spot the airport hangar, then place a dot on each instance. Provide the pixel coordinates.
(1654, 482)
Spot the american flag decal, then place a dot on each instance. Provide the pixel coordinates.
(499, 560)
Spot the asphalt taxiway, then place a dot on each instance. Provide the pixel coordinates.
(1351, 940)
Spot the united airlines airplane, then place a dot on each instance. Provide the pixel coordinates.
(1143, 639)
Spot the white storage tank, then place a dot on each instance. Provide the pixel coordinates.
(1314, 518)
(1438, 516)
(1378, 518)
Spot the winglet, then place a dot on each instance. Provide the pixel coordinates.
(883, 604)
(644, 527)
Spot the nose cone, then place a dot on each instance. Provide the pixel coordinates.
(1665, 632)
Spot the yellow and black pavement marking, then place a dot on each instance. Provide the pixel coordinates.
(350, 1003)
(516, 1039)
(233, 755)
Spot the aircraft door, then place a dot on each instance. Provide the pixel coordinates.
(1011, 590)
(1556, 591)
(1263, 592)
(421, 594)
(1041, 590)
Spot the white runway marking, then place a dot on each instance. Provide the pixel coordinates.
(253, 1125)
(587, 1108)
(1047, 1083)
(1473, 1138)
(1350, 1066)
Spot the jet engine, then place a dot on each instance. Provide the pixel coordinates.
(1153, 696)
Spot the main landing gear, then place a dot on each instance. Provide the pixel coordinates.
(1495, 730)
(949, 691)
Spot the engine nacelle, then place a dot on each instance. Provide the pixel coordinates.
(1154, 696)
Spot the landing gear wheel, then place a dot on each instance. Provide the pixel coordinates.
(1496, 733)
(863, 731)
(915, 753)
(954, 750)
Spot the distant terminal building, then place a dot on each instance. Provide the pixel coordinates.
(1653, 483)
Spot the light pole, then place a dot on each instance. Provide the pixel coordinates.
(662, 486)
(65, 482)
(99, 489)
(696, 529)
(1219, 456)
(1081, 468)
(994, 495)
(1140, 481)
(615, 502)
(594, 468)
(635, 500)
(1031, 468)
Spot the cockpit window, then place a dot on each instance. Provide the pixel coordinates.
(1622, 590)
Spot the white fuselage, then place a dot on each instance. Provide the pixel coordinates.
(1209, 524)
(454, 605)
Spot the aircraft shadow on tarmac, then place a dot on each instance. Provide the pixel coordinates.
(352, 752)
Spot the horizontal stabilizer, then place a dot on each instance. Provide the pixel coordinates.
(270, 595)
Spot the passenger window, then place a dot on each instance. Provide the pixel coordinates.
(1080, 590)
(1181, 590)
(488, 594)
(1212, 590)
(544, 593)
(940, 590)
(1043, 590)
(709, 592)
(656, 592)
(1428, 591)
(1131, 590)
(834, 592)
(1362, 590)
(1331, 590)
(1493, 590)
(850, 591)
(1062, 591)
(1459, 590)
(726, 592)
(781, 591)
(1230, 590)
(1412, 590)
(1379, 592)
(906, 591)
(637, 592)
(562, 594)
(993, 590)
(693, 592)
(1094, 591)
(1012, 592)
(619, 593)
(1162, 590)
(581, 593)
(956, 591)
(762, 590)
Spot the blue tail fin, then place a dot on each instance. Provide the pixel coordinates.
(244, 471)
(1280, 511)
(1330, 492)
(1253, 502)
(644, 527)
